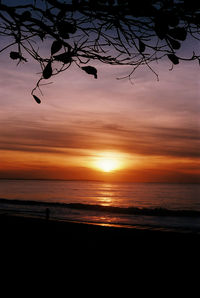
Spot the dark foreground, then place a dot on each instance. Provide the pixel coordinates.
(52, 248)
(80, 258)
(18, 230)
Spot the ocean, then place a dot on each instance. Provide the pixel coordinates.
(141, 205)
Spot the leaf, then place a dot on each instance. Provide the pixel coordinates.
(47, 72)
(37, 99)
(161, 26)
(41, 34)
(173, 20)
(141, 46)
(63, 34)
(16, 55)
(90, 70)
(174, 43)
(26, 15)
(178, 33)
(64, 57)
(196, 19)
(56, 46)
(64, 28)
(68, 27)
(72, 28)
(173, 58)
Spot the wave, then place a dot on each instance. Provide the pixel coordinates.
(107, 209)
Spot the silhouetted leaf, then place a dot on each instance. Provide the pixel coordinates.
(173, 58)
(56, 46)
(63, 34)
(26, 15)
(161, 26)
(37, 99)
(71, 28)
(178, 33)
(192, 4)
(138, 8)
(16, 55)
(64, 28)
(195, 20)
(173, 20)
(141, 46)
(90, 70)
(174, 43)
(64, 57)
(61, 15)
(47, 72)
(41, 34)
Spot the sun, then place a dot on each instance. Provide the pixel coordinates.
(108, 161)
(114, 163)
(107, 164)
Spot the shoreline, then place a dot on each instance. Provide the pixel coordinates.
(131, 210)
(26, 239)
(160, 212)
(11, 224)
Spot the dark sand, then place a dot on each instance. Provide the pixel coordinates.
(90, 258)
(82, 235)
(53, 248)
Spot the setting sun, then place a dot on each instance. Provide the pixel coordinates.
(107, 165)
(108, 161)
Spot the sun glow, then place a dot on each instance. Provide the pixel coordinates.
(108, 162)
(107, 165)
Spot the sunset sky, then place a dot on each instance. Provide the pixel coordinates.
(149, 130)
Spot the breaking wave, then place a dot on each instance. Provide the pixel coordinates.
(14, 204)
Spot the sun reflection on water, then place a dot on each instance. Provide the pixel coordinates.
(105, 201)
(106, 195)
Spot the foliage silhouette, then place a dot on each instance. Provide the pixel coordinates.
(173, 58)
(37, 99)
(115, 32)
(90, 70)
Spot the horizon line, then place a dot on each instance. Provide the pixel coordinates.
(96, 180)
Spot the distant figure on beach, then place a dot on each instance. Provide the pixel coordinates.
(47, 213)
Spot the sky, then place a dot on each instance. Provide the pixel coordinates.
(149, 128)
(101, 129)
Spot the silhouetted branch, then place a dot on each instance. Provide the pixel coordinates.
(115, 32)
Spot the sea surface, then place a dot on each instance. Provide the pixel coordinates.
(142, 205)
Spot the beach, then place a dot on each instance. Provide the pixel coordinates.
(142, 224)
(69, 234)
(86, 252)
